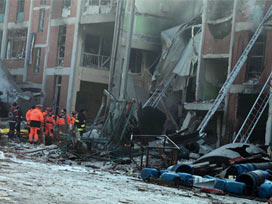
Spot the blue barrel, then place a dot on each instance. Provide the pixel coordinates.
(252, 179)
(238, 169)
(182, 168)
(163, 171)
(178, 178)
(147, 173)
(220, 184)
(186, 179)
(265, 190)
(237, 188)
(169, 176)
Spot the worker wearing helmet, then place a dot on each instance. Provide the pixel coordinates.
(80, 122)
(49, 119)
(28, 113)
(36, 121)
(63, 121)
(73, 118)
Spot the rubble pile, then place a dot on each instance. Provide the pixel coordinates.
(237, 169)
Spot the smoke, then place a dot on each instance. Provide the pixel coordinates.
(9, 89)
(253, 10)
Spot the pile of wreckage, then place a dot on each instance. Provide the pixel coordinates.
(236, 169)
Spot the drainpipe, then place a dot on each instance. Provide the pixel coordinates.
(73, 60)
(27, 52)
(47, 50)
(124, 78)
(5, 32)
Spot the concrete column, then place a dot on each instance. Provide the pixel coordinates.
(47, 50)
(224, 126)
(5, 32)
(28, 39)
(81, 38)
(115, 45)
(124, 79)
(73, 60)
(200, 76)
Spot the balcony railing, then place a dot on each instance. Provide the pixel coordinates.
(99, 7)
(95, 61)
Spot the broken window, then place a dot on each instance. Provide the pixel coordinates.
(61, 45)
(16, 44)
(20, 10)
(96, 52)
(255, 63)
(66, 3)
(37, 60)
(41, 22)
(57, 90)
(43, 2)
(135, 63)
(2, 6)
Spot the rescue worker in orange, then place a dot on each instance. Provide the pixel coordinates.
(73, 118)
(28, 113)
(36, 122)
(49, 120)
(63, 121)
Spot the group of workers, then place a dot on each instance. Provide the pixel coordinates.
(46, 122)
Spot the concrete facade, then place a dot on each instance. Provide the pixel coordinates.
(43, 46)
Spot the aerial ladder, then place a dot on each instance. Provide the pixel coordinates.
(157, 95)
(255, 112)
(232, 76)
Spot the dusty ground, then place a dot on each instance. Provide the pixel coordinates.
(26, 181)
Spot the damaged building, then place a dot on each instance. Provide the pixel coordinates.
(198, 52)
(70, 51)
(59, 50)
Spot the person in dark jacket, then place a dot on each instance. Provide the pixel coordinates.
(80, 122)
(15, 118)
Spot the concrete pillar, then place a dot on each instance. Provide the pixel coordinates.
(81, 38)
(5, 32)
(225, 116)
(124, 78)
(200, 76)
(115, 46)
(47, 50)
(73, 60)
(28, 39)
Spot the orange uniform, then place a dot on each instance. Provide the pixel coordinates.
(28, 113)
(63, 122)
(36, 121)
(49, 120)
(63, 119)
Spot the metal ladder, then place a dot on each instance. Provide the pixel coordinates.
(255, 112)
(232, 76)
(155, 98)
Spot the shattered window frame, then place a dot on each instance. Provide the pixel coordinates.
(16, 44)
(136, 61)
(20, 10)
(21, 6)
(41, 20)
(67, 3)
(255, 62)
(42, 2)
(61, 45)
(37, 60)
(2, 6)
